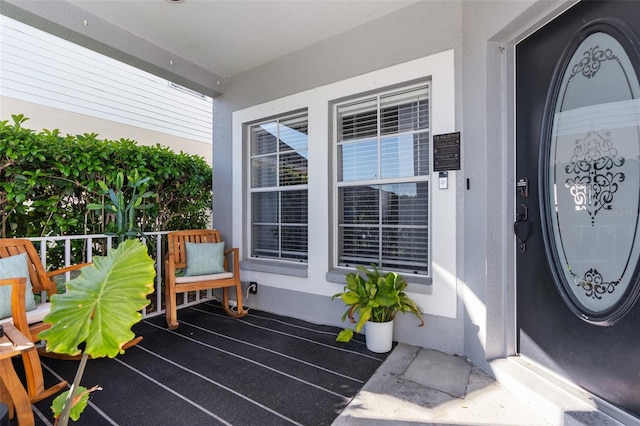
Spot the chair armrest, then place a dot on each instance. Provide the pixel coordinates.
(169, 269)
(236, 260)
(234, 250)
(61, 271)
(18, 306)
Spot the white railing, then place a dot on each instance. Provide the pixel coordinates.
(44, 244)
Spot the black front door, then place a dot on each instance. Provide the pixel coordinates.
(578, 198)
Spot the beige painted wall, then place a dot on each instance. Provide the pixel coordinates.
(43, 117)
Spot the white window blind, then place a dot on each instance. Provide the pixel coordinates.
(382, 181)
(278, 167)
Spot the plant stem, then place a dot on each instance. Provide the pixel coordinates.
(68, 403)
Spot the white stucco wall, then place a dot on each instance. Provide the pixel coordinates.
(481, 35)
(439, 68)
(491, 29)
(403, 39)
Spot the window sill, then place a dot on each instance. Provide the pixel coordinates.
(415, 284)
(273, 267)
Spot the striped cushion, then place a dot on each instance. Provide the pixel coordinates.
(204, 259)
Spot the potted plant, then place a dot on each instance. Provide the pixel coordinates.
(376, 298)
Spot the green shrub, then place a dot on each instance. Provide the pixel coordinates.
(48, 180)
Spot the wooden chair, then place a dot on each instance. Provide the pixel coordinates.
(30, 358)
(42, 282)
(176, 258)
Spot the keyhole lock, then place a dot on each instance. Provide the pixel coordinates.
(522, 186)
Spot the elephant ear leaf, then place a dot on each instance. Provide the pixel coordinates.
(102, 304)
(80, 402)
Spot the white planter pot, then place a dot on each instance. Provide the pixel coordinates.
(379, 336)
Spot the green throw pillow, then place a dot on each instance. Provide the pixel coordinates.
(14, 267)
(204, 258)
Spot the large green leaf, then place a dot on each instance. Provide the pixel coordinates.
(345, 335)
(350, 298)
(365, 314)
(80, 402)
(102, 303)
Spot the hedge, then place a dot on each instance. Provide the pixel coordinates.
(47, 181)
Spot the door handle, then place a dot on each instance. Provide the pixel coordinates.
(521, 217)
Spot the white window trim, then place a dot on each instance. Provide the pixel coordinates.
(440, 68)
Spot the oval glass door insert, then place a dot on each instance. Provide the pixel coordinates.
(590, 173)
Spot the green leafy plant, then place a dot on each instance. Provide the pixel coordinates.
(123, 210)
(98, 310)
(47, 180)
(374, 297)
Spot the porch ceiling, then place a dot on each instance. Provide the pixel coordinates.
(199, 41)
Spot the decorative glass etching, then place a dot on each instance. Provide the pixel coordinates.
(593, 179)
(591, 182)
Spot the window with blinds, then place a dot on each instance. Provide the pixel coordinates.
(278, 164)
(382, 181)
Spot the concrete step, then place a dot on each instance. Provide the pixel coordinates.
(417, 386)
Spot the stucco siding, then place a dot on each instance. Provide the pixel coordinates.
(491, 29)
(419, 31)
(413, 32)
(483, 327)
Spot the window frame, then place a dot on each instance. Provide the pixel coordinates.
(380, 181)
(278, 188)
